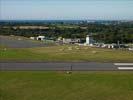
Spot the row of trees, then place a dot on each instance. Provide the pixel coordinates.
(101, 33)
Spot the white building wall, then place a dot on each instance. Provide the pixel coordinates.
(41, 38)
(87, 39)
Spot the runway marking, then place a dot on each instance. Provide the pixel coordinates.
(125, 68)
(123, 64)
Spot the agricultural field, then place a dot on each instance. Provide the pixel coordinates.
(39, 85)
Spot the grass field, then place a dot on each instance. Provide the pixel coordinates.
(65, 53)
(61, 86)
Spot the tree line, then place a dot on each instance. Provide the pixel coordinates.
(110, 33)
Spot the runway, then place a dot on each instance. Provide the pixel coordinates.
(47, 66)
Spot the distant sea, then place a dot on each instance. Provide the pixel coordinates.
(64, 21)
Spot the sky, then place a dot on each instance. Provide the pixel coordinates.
(66, 9)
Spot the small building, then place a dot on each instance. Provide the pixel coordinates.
(41, 38)
(59, 38)
(71, 41)
(32, 38)
(130, 49)
(110, 46)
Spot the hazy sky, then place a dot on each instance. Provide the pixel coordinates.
(66, 9)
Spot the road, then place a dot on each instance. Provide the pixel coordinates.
(43, 66)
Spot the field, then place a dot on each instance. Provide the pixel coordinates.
(65, 53)
(44, 85)
(15, 48)
(61, 86)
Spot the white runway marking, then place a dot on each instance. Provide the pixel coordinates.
(125, 68)
(123, 64)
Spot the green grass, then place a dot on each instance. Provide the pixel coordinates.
(61, 86)
(65, 53)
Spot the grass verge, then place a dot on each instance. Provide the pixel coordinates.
(41, 85)
(65, 53)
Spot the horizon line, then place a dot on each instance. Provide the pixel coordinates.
(66, 19)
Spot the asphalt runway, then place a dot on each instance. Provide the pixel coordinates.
(42, 66)
(14, 42)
